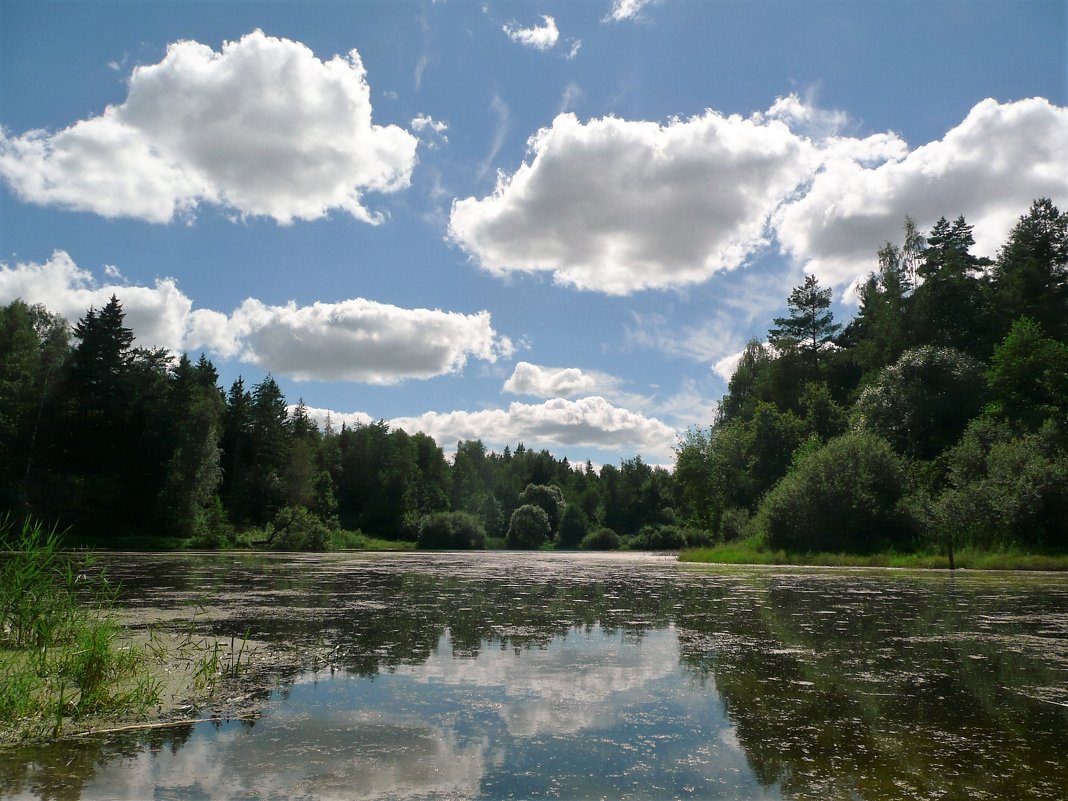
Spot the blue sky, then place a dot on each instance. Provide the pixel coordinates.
(553, 222)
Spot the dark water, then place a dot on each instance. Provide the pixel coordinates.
(573, 676)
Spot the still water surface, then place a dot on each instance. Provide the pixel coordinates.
(506, 675)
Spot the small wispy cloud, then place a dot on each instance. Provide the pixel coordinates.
(538, 37)
(627, 9)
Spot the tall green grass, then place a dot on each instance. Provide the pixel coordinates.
(61, 652)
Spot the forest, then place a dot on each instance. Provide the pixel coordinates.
(937, 417)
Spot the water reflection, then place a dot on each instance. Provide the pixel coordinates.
(534, 676)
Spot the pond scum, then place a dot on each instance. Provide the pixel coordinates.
(67, 665)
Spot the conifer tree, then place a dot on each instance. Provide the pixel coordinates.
(810, 325)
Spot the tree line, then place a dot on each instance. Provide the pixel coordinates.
(937, 416)
(128, 444)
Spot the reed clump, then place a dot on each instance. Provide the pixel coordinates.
(62, 655)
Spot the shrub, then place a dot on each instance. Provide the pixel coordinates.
(528, 527)
(699, 538)
(549, 498)
(603, 539)
(1004, 490)
(573, 527)
(922, 402)
(659, 538)
(734, 524)
(294, 528)
(459, 531)
(844, 497)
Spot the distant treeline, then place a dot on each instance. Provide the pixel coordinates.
(938, 415)
(125, 444)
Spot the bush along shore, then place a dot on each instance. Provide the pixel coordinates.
(68, 666)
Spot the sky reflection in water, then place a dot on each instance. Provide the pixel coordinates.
(522, 676)
(587, 716)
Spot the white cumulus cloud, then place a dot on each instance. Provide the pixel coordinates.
(262, 127)
(988, 168)
(351, 340)
(557, 382)
(539, 37)
(360, 340)
(434, 129)
(617, 206)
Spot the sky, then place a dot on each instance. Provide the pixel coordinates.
(548, 222)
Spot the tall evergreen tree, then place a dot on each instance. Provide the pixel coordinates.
(1031, 272)
(953, 306)
(189, 498)
(810, 325)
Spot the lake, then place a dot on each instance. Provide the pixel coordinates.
(579, 676)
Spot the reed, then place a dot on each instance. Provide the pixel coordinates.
(61, 652)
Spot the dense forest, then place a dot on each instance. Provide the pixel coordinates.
(938, 415)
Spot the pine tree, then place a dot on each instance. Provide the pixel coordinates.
(810, 325)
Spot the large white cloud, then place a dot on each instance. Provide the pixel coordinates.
(352, 340)
(263, 127)
(617, 206)
(591, 422)
(989, 168)
(361, 340)
(539, 37)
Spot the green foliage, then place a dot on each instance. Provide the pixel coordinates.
(733, 524)
(658, 538)
(1028, 376)
(1031, 272)
(844, 497)
(573, 527)
(923, 401)
(294, 528)
(131, 447)
(451, 531)
(528, 527)
(753, 553)
(602, 539)
(1004, 490)
(549, 498)
(955, 305)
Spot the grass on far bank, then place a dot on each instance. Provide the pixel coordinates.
(344, 540)
(746, 552)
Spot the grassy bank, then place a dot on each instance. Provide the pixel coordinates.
(746, 553)
(67, 665)
(62, 656)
